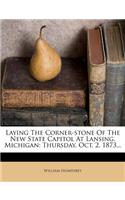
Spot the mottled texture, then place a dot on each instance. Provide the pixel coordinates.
(97, 88)
(96, 110)
(114, 100)
(67, 36)
(44, 117)
(97, 73)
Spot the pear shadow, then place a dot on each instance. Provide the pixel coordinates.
(77, 46)
(26, 45)
(78, 49)
(26, 49)
(2, 68)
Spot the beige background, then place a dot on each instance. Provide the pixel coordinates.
(88, 171)
(67, 36)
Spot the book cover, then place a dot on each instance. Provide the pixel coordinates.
(115, 74)
(44, 136)
(122, 27)
(96, 73)
(44, 117)
(19, 89)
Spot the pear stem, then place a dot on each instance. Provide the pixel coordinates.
(41, 30)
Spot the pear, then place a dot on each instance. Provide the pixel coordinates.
(45, 63)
